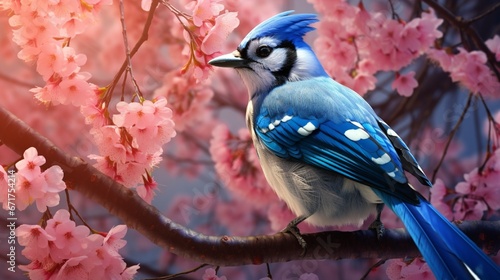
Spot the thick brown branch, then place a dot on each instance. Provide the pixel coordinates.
(219, 250)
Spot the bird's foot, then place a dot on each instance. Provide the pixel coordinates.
(294, 230)
(378, 227)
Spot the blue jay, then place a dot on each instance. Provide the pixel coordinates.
(329, 156)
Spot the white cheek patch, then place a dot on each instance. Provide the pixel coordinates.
(276, 60)
(301, 70)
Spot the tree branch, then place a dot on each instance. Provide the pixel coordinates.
(219, 250)
(465, 26)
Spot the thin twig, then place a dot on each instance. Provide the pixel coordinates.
(375, 265)
(395, 15)
(142, 39)
(269, 271)
(72, 209)
(452, 134)
(487, 12)
(127, 51)
(491, 119)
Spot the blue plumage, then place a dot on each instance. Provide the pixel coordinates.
(289, 28)
(328, 155)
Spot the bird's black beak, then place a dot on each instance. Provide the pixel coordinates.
(232, 60)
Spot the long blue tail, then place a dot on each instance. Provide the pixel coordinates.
(448, 251)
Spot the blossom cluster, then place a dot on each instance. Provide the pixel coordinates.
(474, 197)
(187, 99)
(412, 269)
(32, 185)
(237, 165)
(355, 44)
(63, 250)
(44, 30)
(470, 68)
(132, 145)
(208, 25)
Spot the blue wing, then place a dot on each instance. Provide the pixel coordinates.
(349, 139)
(358, 151)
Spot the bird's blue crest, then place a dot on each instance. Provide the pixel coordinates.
(283, 26)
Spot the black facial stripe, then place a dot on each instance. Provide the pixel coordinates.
(291, 57)
(243, 52)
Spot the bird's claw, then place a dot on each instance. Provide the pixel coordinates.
(378, 227)
(294, 230)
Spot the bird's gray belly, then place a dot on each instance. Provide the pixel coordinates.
(328, 198)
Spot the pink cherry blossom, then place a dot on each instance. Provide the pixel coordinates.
(405, 83)
(133, 146)
(468, 68)
(129, 272)
(109, 141)
(494, 45)
(439, 194)
(427, 27)
(42, 30)
(472, 198)
(148, 188)
(35, 240)
(205, 28)
(224, 25)
(149, 123)
(44, 268)
(204, 10)
(64, 250)
(134, 114)
(34, 186)
(29, 166)
(187, 99)
(74, 268)
(146, 5)
(94, 113)
(114, 238)
(211, 274)
(67, 234)
(353, 37)
(50, 60)
(416, 269)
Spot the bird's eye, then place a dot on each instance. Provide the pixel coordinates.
(263, 51)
